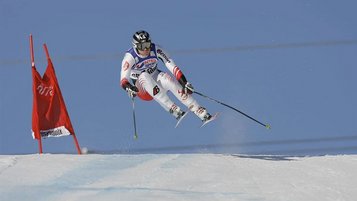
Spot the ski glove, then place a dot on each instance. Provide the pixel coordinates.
(132, 91)
(188, 88)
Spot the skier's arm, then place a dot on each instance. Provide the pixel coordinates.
(173, 68)
(126, 65)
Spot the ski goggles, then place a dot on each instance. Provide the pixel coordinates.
(143, 46)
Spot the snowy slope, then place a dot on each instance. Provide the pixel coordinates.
(177, 177)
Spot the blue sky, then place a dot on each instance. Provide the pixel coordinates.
(291, 64)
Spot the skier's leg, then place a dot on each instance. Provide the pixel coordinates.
(169, 83)
(159, 94)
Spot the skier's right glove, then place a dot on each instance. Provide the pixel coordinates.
(132, 91)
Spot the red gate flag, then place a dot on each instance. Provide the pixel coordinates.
(49, 114)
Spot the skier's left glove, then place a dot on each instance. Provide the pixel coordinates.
(188, 88)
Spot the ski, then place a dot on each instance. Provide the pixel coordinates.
(211, 119)
(179, 121)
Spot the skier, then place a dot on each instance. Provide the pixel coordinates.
(148, 82)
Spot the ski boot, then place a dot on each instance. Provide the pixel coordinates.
(205, 116)
(178, 114)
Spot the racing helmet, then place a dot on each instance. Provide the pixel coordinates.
(141, 40)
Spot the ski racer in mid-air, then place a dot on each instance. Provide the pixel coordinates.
(140, 76)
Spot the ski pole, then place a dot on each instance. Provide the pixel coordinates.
(134, 119)
(235, 109)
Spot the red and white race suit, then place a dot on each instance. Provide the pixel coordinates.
(153, 84)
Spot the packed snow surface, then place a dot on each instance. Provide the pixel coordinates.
(177, 177)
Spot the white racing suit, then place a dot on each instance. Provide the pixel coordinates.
(143, 72)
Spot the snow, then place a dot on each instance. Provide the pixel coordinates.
(177, 177)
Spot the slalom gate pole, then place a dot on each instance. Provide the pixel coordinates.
(40, 146)
(134, 119)
(33, 65)
(46, 51)
(235, 109)
(74, 135)
(32, 52)
(77, 144)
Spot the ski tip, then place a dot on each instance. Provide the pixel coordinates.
(212, 118)
(179, 121)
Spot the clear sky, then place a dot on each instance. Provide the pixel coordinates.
(291, 64)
